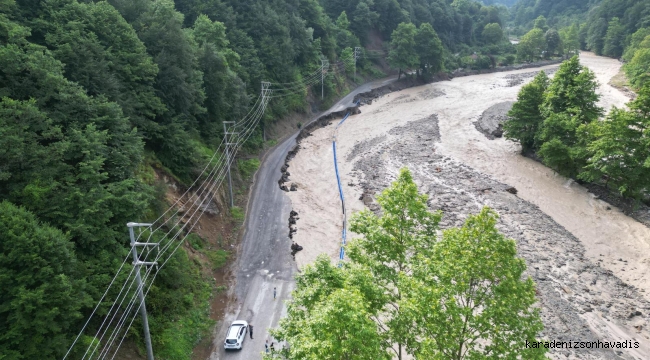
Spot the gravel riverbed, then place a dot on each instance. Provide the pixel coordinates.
(590, 261)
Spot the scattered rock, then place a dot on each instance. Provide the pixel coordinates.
(512, 190)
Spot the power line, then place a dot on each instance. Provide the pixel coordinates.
(204, 192)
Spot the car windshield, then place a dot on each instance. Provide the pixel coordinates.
(231, 341)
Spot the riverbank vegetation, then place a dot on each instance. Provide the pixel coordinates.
(559, 120)
(613, 28)
(408, 290)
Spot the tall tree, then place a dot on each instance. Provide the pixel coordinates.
(570, 38)
(402, 53)
(553, 43)
(638, 69)
(492, 33)
(619, 155)
(531, 45)
(570, 104)
(614, 39)
(540, 23)
(330, 317)
(389, 243)
(429, 49)
(596, 36)
(469, 300)
(635, 41)
(42, 294)
(525, 117)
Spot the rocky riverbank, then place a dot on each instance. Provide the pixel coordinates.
(579, 300)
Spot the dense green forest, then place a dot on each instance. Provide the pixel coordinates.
(98, 96)
(614, 28)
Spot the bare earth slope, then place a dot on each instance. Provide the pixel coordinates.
(591, 264)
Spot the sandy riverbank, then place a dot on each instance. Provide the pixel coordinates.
(570, 240)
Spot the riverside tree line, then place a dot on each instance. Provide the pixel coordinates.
(614, 28)
(559, 120)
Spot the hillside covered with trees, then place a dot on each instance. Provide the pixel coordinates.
(613, 28)
(97, 97)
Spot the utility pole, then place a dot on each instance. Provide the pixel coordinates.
(227, 140)
(265, 91)
(138, 264)
(323, 64)
(357, 51)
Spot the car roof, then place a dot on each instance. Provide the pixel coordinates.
(234, 329)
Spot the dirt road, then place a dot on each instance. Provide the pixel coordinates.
(590, 261)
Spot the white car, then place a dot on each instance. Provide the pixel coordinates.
(236, 335)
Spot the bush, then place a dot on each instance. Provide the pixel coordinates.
(237, 214)
(248, 167)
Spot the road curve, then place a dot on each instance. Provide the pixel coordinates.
(264, 260)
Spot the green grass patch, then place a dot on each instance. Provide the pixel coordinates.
(178, 340)
(218, 258)
(203, 150)
(237, 214)
(248, 167)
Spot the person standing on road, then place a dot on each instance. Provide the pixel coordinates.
(250, 328)
(266, 346)
(274, 292)
(272, 347)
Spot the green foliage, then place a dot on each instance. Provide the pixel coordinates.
(179, 307)
(531, 45)
(525, 117)
(237, 213)
(570, 40)
(634, 42)
(329, 318)
(248, 167)
(614, 39)
(570, 103)
(620, 151)
(43, 292)
(492, 33)
(553, 43)
(402, 286)
(638, 70)
(218, 258)
(540, 23)
(429, 49)
(402, 54)
(473, 267)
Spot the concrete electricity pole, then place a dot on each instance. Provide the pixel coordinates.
(323, 64)
(265, 91)
(227, 140)
(138, 264)
(357, 52)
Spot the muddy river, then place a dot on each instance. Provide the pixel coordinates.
(591, 262)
